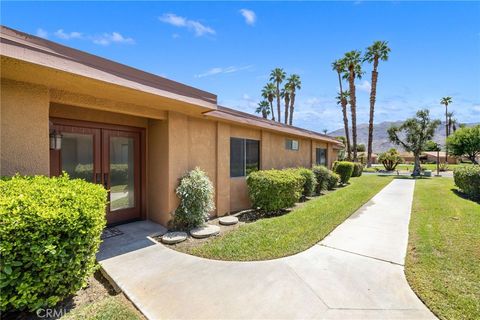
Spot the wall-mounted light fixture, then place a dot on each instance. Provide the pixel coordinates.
(55, 140)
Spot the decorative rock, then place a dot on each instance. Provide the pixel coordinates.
(228, 220)
(205, 231)
(174, 237)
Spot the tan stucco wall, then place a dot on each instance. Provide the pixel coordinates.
(85, 114)
(24, 129)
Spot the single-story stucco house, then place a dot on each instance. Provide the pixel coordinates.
(66, 110)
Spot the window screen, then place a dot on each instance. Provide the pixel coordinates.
(244, 156)
(321, 156)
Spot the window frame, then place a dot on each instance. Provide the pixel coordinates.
(325, 156)
(244, 156)
(289, 144)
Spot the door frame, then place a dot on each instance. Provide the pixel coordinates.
(55, 154)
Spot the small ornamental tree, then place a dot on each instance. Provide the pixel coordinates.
(417, 132)
(196, 194)
(465, 142)
(390, 159)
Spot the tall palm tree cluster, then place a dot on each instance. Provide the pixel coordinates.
(450, 122)
(349, 68)
(272, 91)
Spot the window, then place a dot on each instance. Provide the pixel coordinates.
(321, 156)
(244, 156)
(291, 144)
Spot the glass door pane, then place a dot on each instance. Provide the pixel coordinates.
(77, 155)
(122, 173)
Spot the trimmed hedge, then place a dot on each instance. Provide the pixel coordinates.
(333, 180)
(273, 190)
(344, 169)
(310, 181)
(321, 174)
(467, 178)
(196, 194)
(49, 234)
(357, 169)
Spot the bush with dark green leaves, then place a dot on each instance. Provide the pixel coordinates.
(49, 234)
(467, 178)
(273, 190)
(321, 174)
(357, 169)
(310, 181)
(196, 195)
(333, 180)
(344, 169)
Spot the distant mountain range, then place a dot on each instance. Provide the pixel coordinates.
(381, 143)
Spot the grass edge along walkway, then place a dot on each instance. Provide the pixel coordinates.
(443, 257)
(296, 231)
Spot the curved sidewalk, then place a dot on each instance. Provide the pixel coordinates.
(356, 272)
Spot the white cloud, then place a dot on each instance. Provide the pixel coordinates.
(42, 33)
(249, 15)
(103, 39)
(107, 38)
(219, 70)
(198, 28)
(364, 86)
(68, 35)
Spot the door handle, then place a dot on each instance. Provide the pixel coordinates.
(105, 181)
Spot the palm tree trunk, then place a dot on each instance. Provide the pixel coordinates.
(287, 103)
(278, 102)
(353, 106)
(271, 109)
(345, 124)
(373, 94)
(446, 132)
(292, 107)
(264, 114)
(345, 117)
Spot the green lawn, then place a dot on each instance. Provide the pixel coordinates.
(294, 232)
(443, 260)
(111, 308)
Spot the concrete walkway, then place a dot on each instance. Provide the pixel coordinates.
(354, 273)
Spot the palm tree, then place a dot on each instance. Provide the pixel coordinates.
(277, 76)
(263, 108)
(294, 83)
(377, 51)
(450, 122)
(268, 92)
(325, 131)
(353, 63)
(342, 100)
(285, 94)
(446, 101)
(339, 67)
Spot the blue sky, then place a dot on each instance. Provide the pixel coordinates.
(230, 48)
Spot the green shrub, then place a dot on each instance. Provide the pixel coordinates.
(310, 181)
(321, 174)
(333, 180)
(467, 178)
(390, 159)
(49, 234)
(344, 170)
(273, 190)
(196, 194)
(357, 169)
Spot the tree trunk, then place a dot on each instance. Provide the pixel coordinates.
(353, 106)
(373, 94)
(271, 109)
(416, 168)
(345, 117)
(446, 132)
(287, 104)
(264, 114)
(278, 103)
(292, 107)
